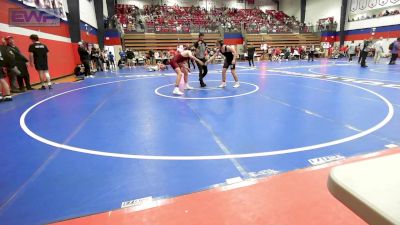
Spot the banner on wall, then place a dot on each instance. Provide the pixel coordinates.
(372, 3)
(52, 7)
(359, 6)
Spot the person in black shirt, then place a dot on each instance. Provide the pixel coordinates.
(201, 49)
(151, 56)
(250, 54)
(20, 61)
(84, 57)
(121, 64)
(3, 83)
(364, 52)
(311, 52)
(38, 57)
(10, 67)
(130, 56)
(95, 57)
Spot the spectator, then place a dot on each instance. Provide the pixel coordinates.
(250, 54)
(111, 59)
(121, 63)
(395, 47)
(38, 57)
(20, 62)
(95, 57)
(84, 57)
(4, 88)
(129, 58)
(11, 68)
(351, 51)
(151, 56)
(311, 53)
(122, 54)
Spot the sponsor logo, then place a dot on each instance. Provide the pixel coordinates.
(137, 202)
(263, 173)
(325, 159)
(32, 17)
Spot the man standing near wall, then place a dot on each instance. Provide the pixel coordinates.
(84, 57)
(38, 57)
(201, 48)
(395, 51)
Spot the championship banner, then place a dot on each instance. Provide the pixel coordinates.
(52, 7)
(30, 3)
(372, 3)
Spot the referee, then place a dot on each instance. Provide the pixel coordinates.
(364, 52)
(201, 48)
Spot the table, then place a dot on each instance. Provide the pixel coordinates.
(370, 188)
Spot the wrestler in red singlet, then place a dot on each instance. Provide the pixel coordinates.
(178, 63)
(177, 60)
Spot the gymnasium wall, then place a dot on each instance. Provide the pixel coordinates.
(61, 56)
(87, 12)
(389, 33)
(105, 10)
(88, 33)
(318, 9)
(290, 7)
(88, 24)
(386, 27)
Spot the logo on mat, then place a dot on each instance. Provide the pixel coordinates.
(325, 159)
(32, 17)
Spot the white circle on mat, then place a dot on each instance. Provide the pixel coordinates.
(157, 91)
(370, 130)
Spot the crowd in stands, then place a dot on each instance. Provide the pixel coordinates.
(127, 18)
(387, 12)
(194, 19)
(287, 53)
(176, 19)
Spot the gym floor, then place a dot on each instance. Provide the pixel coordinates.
(93, 146)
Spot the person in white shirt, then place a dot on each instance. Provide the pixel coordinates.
(351, 51)
(264, 48)
(378, 46)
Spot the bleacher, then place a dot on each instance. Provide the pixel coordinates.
(162, 23)
(147, 41)
(282, 40)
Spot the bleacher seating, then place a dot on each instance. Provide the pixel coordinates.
(282, 40)
(175, 19)
(162, 42)
(170, 26)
